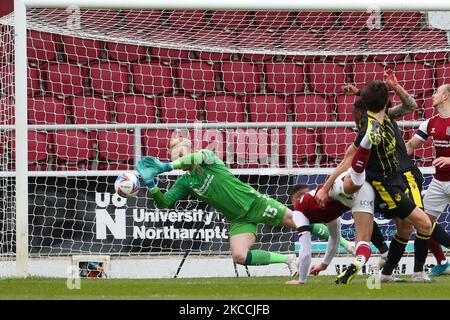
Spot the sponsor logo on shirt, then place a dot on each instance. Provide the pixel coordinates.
(200, 192)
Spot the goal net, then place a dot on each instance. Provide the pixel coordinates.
(262, 89)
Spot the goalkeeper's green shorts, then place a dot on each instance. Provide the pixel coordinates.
(263, 210)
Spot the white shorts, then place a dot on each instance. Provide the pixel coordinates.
(361, 201)
(437, 197)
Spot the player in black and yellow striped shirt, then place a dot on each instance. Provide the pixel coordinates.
(383, 172)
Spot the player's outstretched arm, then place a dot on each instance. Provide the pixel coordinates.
(177, 192)
(322, 194)
(408, 105)
(334, 229)
(413, 144)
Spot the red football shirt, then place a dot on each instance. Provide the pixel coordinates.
(315, 213)
(439, 129)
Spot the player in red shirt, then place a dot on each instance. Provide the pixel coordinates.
(437, 195)
(308, 211)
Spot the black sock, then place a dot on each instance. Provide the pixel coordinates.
(377, 239)
(420, 251)
(440, 235)
(396, 250)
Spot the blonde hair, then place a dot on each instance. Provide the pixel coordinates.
(176, 141)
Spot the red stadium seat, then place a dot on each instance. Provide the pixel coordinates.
(91, 110)
(312, 108)
(256, 39)
(303, 147)
(402, 20)
(6, 8)
(317, 20)
(7, 47)
(73, 150)
(179, 109)
(416, 78)
(46, 110)
(273, 20)
(203, 37)
(442, 73)
(241, 77)
(188, 19)
(343, 40)
(126, 52)
(135, 109)
(152, 78)
(34, 81)
(65, 79)
(355, 20)
(224, 108)
(384, 40)
(38, 150)
(426, 103)
(42, 46)
(81, 49)
(301, 40)
(155, 143)
(267, 108)
(102, 19)
(115, 150)
(428, 40)
(251, 148)
(335, 142)
(367, 71)
(230, 19)
(173, 37)
(326, 77)
(109, 78)
(284, 77)
(197, 77)
(7, 111)
(345, 107)
(143, 19)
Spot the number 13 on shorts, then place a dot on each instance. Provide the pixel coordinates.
(270, 212)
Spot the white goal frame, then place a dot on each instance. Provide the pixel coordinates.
(20, 9)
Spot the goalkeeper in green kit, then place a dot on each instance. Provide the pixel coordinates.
(209, 180)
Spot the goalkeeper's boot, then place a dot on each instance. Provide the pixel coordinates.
(347, 276)
(292, 264)
(421, 277)
(391, 278)
(373, 128)
(439, 269)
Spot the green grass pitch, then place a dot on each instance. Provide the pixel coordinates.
(268, 288)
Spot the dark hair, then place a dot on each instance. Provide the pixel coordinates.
(298, 187)
(375, 95)
(359, 105)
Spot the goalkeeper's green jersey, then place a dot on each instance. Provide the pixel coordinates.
(211, 182)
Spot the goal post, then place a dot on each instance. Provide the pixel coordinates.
(270, 108)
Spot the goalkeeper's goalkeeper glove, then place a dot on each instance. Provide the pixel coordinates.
(149, 167)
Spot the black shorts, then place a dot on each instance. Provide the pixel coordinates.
(394, 197)
(413, 180)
